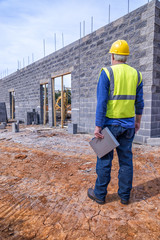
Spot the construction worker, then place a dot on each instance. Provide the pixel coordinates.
(119, 107)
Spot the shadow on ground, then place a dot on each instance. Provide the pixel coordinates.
(140, 192)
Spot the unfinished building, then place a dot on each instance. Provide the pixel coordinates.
(32, 89)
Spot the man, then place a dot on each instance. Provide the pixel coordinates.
(119, 98)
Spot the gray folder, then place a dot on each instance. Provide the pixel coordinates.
(104, 145)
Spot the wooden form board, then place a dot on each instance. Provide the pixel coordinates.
(13, 103)
(54, 101)
(62, 102)
(12, 106)
(44, 105)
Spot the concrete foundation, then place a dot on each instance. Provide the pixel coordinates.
(153, 141)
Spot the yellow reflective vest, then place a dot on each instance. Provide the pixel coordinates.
(124, 81)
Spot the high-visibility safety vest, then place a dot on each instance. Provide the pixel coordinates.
(124, 81)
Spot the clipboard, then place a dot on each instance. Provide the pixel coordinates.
(102, 146)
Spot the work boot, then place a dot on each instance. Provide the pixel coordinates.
(92, 196)
(125, 202)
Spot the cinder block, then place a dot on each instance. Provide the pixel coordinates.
(138, 139)
(15, 127)
(72, 128)
(153, 141)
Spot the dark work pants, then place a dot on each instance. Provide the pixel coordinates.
(103, 168)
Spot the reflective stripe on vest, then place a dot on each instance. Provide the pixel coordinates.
(120, 97)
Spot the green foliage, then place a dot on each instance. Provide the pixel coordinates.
(69, 96)
(57, 94)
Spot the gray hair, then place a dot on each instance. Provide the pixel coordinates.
(121, 58)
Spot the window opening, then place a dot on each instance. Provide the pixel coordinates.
(62, 99)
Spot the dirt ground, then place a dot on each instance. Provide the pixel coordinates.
(44, 177)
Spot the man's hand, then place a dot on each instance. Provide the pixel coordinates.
(97, 132)
(137, 127)
(137, 123)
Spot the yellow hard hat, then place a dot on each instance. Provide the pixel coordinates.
(120, 47)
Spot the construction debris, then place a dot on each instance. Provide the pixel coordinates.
(3, 125)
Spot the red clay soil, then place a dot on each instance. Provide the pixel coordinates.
(43, 192)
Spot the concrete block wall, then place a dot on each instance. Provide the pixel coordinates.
(138, 29)
(155, 107)
(84, 59)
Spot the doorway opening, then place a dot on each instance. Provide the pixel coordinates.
(44, 103)
(12, 105)
(62, 99)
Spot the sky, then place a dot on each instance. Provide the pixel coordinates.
(27, 25)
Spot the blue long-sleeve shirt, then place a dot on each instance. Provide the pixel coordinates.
(102, 99)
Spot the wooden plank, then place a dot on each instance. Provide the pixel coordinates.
(54, 101)
(62, 103)
(44, 106)
(12, 105)
(60, 75)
